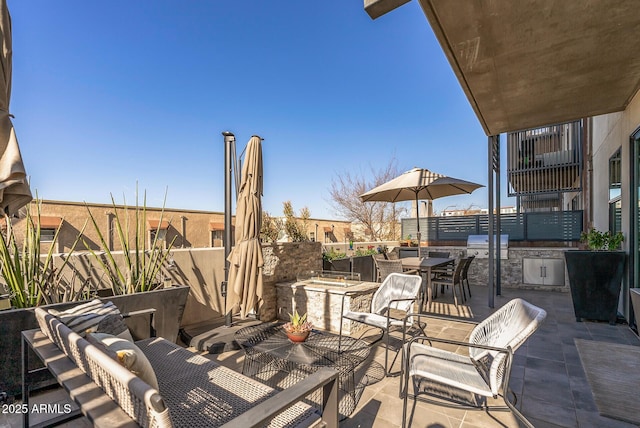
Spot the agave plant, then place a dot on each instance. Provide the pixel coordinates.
(298, 323)
(29, 276)
(142, 263)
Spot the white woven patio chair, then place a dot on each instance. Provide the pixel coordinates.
(483, 373)
(397, 292)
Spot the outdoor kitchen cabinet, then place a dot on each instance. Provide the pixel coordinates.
(543, 271)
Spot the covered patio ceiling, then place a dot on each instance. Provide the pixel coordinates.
(524, 64)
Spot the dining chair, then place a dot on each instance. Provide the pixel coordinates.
(453, 279)
(465, 275)
(398, 292)
(386, 267)
(483, 372)
(446, 270)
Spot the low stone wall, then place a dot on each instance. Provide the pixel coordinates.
(282, 262)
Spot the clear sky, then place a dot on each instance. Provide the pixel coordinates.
(110, 93)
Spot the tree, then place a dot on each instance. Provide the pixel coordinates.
(296, 228)
(380, 219)
(271, 229)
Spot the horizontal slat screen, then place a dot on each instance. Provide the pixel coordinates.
(549, 226)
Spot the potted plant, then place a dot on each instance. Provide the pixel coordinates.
(298, 328)
(595, 276)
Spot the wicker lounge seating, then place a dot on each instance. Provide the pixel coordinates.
(193, 391)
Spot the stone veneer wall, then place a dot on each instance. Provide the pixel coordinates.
(511, 269)
(282, 262)
(323, 306)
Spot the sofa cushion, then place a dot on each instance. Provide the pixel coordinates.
(94, 317)
(127, 354)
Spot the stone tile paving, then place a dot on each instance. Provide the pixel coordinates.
(547, 375)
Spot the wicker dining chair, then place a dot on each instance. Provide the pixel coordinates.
(453, 279)
(387, 267)
(483, 373)
(465, 275)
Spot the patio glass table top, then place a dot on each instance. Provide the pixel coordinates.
(272, 358)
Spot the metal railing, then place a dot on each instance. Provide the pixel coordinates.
(544, 226)
(544, 160)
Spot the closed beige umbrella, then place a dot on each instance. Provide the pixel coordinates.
(14, 190)
(245, 259)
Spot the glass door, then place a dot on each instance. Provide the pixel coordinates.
(634, 233)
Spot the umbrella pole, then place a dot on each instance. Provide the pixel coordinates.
(418, 223)
(229, 140)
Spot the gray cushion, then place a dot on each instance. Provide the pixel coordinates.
(94, 317)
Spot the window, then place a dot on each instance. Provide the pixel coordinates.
(158, 232)
(161, 237)
(47, 235)
(217, 238)
(48, 227)
(615, 186)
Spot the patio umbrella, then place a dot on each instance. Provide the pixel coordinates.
(14, 190)
(245, 273)
(416, 184)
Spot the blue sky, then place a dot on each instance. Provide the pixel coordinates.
(110, 94)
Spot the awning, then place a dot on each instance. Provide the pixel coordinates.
(328, 229)
(50, 222)
(153, 224)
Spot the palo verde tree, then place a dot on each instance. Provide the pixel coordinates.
(380, 219)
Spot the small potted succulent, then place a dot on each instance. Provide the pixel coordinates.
(298, 328)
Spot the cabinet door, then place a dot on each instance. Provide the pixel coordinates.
(532, 271)
(553, 271)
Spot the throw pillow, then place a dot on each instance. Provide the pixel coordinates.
(94, 316)
(127, 354)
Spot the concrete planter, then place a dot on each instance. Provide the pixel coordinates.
(595, 278)
(168, 302)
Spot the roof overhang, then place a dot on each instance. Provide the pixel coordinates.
(524, 64)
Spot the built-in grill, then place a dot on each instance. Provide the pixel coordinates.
(478, 245)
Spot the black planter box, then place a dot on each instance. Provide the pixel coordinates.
(595, 278)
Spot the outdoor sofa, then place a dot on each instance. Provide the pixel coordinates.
(193, 391)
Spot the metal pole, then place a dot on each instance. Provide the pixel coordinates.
(229, 139)
(418, 223)
(496, 166)
(490, 223)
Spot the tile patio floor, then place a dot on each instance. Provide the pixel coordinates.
(547, 376)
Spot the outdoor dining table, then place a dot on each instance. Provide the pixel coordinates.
(424, 265)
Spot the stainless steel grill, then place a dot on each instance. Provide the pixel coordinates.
(478, 245)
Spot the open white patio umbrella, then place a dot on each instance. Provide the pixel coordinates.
(246, 262)
(14, 189)
(416, 184)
